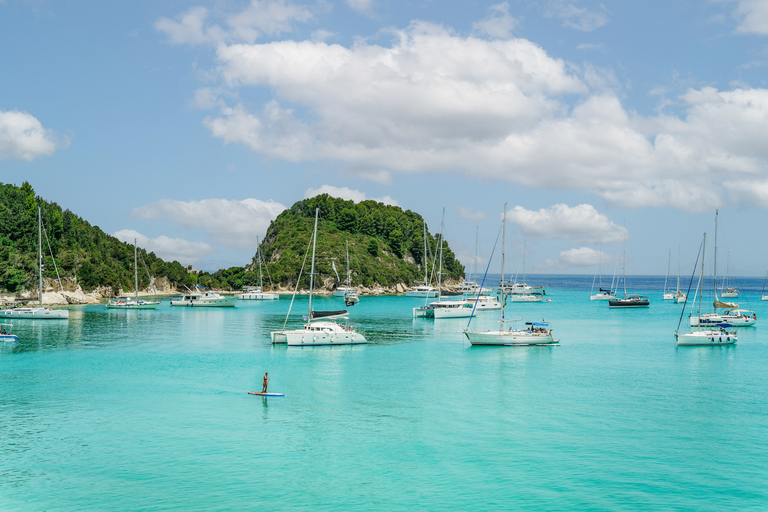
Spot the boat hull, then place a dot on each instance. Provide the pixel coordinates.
(706, 338)
(601, 296)
(258, 296)
(511, 338)
(524, 298)
(635, 302)
(713, 320)
(35, 313)
(134, 305)
(226, 302)
(327, 333)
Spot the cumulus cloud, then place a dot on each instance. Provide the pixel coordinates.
(260, 18)
(471, 215)
(498, 23)
(231, 223)
(364, 6)
(752, 16)
(347, 194)
(22, 137)
(575, 17)
(581, 224)
(433, 101)
(169, 249)
(580, 257)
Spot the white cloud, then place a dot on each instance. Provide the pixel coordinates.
(575, 17)
(260, 18)
(231, 223)
(347, 194)
(363, 6)
(582, 224)
(752, 16)
(471, 215)
(498, 23)
(502, 110)
(169, 249)
(22, 137)
(579, 257)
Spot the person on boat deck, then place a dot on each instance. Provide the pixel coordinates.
(266, 381)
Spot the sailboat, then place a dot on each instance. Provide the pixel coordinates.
(537, 333)
(627, 301)
(710, 335)
(350, 295)
(763, 296)
(40, 312)
(470, 287)
(726, 291)
(679, 296)
(667, 294)
(731, 314)
(320, 328)
(521, 292)
(424, 289)
(257, 293)
(601, 294)
(133, 303)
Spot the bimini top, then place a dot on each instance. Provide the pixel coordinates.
(329, 314)
(539, 324)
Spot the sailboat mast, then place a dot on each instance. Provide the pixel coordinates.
(349, 278)
(701, 279)
(426, 269)
(258, 257)
(714, 268)
(312, 269)
(40, 251)
(474, 266)
(135, 271)
(440, 271)
(503, 255)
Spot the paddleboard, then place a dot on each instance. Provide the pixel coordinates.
(265, 394)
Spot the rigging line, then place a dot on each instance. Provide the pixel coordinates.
(483, 283)
(688, 292)
(149, 276)
(54, 261)
(297, 281)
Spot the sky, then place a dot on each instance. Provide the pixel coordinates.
(612, 130)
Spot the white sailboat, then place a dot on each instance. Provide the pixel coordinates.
(424, 289)
(710, 335)
(679, 295)
(346, 290)
(727, 292)
(452, 308)
(521, 292)
(257, 293)
(537, 333)
(763, 296)
(731, 315)
(668, 295)
(627, 301)
(601, 294)
(39, 312)
(320, 328)
(135, 302)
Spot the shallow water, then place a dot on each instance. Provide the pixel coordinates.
(148, 410)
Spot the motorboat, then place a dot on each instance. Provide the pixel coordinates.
(204, 299)
(5, 334)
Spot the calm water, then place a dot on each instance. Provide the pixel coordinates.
(148, 410)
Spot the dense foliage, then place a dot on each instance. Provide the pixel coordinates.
(386, 244)
(81, 250)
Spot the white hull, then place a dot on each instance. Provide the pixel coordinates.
(713, 320)
(133, 305)
(602, 296)
(729, 295)
(483, 303)
(709, 337)
(319, 333)
(421, 293)
(511, 338)
(342, 290)
(205, 300)
(681, 298)
(257, 296)
(8, 338)
(35, 313)
(764, 297)
(669, 296)
(525, 298)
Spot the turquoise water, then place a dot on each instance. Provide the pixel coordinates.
(148, 410)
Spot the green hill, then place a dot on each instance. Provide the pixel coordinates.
(386, 244)
(82, 251)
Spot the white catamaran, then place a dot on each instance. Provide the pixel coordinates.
(39, 312)
(320, 328)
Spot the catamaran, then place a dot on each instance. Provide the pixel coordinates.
(39, 312)
(536, 333)
(320, 328)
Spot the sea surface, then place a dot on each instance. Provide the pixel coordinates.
(148, 410)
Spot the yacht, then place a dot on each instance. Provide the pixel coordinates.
(257, 292)
(135, 302)
(39, 312)
(207, 299)
(320, 328)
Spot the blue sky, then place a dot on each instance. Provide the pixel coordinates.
(190, 125)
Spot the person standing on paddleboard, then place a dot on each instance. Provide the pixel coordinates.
(266, 381)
